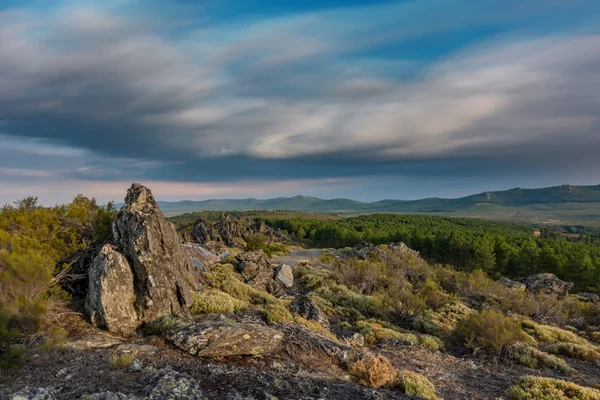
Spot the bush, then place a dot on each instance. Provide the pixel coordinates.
(255, 241)
(277, 313)
(531, 357)
(373, 371)
(488, 330)
(415, 384)
(122, 360)
(213, 301)
(552, 334)
(538, 388)
(579, 351)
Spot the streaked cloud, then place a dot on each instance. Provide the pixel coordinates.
(105, 94)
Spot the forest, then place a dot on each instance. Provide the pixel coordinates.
(497, 248)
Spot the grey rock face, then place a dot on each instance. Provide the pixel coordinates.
(148, 269)
(255, 269)
(511, 284)
(306, 308)
(164, 278)
(200, 232)
(547, 283)
(284, 275)
(31, 393)
(110, 297)
(224, 339)
(589, 297)
(167, 384)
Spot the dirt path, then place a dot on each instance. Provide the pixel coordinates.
(297, 256)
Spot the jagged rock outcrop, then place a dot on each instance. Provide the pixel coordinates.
(511, 284)
(546, 283)
(307, 309)
(163, 276)
(255, 269)
(283, 274)
(589, 297)
(225, 339)
(109, 301)
(199, 232)
(231, 230)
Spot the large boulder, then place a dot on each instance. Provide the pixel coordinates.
(110, 298)
(147, 274)
(546, 283)
(164, 278)
(199, 232)
(511, 284)
(225, 339)
(231, 230)
(284, 275)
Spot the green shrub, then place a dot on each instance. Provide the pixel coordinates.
(538, 388)
(212, 301)
(415, 384)
(122, 360)
(552, 334)
(529, 356)
(11, 356)
(488, 330)
(579, 351)
(277, 313)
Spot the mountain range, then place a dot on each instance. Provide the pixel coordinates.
(559, 204)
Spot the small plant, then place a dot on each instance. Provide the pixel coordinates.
(213, 301)
(538, 388)
(579, 351)
(122, 360)
(488, 330)
(161, 325)
(552, 334)
(373, 371)
(277, 313)
(415, 384)
(531, 357)
(12, 356)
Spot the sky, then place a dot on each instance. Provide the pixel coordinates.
(367, 100)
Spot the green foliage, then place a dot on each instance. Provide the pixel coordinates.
(213, 301)
(415, 384)
(488, 330)
(529, 356)
(277, 313)
(580, 351)
(38, 247)
(552, 334)
(160, 326)
(122, 360)
(538, 388)
(496, 248)
(256, 241)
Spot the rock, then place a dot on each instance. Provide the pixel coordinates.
(146, 350)
(109, 396)
(164, 278)
(92, 342)
(546, 283)
(199, 256)
(135, 366)
(589, 297)
(31, 393)
(355, 340)
(199, 232)
(511, 284)
(255, 269)
(284, 275)
(168, 384)
(306, 308)
(110, 297)
(225, 339)
(231, 230)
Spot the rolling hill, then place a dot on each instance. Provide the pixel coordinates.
(553, 205)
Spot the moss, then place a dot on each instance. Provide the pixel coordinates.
(373, 371)
(538, 388)
(213, 301)
(277, 313)
(415, 384)
(529, 356)
(579, 351)
(375, 332)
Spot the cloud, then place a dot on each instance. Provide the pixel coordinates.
(292, 97)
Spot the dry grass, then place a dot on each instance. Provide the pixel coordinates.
(122, 360)
(373, 371)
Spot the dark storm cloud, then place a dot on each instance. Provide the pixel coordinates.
(280, 100)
